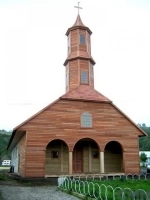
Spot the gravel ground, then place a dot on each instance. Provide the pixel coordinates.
(33, 193)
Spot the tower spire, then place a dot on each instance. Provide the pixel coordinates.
(78, 7)
(79, 63)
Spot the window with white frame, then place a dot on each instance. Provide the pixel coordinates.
(84, 77)
(86, 120)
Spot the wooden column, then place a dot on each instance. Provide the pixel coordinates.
(101, 162)
(70, 162)
(90, 154)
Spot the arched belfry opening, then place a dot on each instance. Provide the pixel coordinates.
(86, 157)
(113, 157)
(56, 161)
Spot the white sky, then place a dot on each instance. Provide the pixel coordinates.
(33, 48)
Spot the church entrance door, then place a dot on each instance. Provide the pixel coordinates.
(78, 159)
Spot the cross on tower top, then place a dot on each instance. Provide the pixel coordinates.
(78, 7)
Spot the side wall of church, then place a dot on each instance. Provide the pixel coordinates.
(14, 158)
(22, 155)
(62, 121)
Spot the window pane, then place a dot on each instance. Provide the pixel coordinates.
(86, 120)
(95, 154)
(84, 77)
(82, 39)
(55, 154)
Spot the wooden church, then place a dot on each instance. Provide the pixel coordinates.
(82, 131)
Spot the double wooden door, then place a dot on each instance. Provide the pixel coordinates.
(78, 159)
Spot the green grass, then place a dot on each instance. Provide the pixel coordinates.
(123, 183)
(1, 196)
(134, 185)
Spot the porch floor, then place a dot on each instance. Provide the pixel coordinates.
(84, 174)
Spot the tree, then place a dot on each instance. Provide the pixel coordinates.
(143, 158)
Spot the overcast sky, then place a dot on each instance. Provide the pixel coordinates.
(33, 48)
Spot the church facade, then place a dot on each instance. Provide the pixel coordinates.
(82, 131)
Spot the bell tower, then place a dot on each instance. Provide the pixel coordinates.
(79, 62)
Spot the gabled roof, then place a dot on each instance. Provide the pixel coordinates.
(81, 93)
(85, 92)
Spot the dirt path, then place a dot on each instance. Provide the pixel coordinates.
(33, 193)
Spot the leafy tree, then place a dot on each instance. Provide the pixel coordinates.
(4, 139)
(144, 142)
(143, 158)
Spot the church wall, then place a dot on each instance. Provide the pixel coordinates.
(116, 165)
(14, 158)
(74, 40)
(85, 159)
(73, 74)
(62, 121)
(22, 155)
(53, 166)
(56, 165)
(95, 162)
(65, 160)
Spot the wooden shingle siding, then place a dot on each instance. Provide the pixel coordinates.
(113, 162)
(86, 159)
(58, 126)
(56, 165)
(73, 74)
(62, 121)
(22, 155)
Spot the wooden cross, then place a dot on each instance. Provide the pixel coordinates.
(78, 7)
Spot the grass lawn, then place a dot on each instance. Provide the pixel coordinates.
(89, 188)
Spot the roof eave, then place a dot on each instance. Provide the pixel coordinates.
(79, 57)
(35, 115)
(78, 27)
(85, 100)
(144, 134)
(11, 138)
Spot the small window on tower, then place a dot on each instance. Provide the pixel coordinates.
(84, 77)
(82, 39)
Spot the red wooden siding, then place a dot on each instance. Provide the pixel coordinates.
(62, 121)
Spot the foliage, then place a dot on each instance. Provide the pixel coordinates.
(1, 196)
(144, 142)
(4, 139)
(93, 188)
(143, 158)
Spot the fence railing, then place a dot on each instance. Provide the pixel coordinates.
(84, 184)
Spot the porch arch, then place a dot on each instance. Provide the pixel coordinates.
(113, 157)
(86, 156)
(56, 157)
(86, 139)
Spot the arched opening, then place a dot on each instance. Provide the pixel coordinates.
(113, 157)
(56, 161)
(86, 156)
